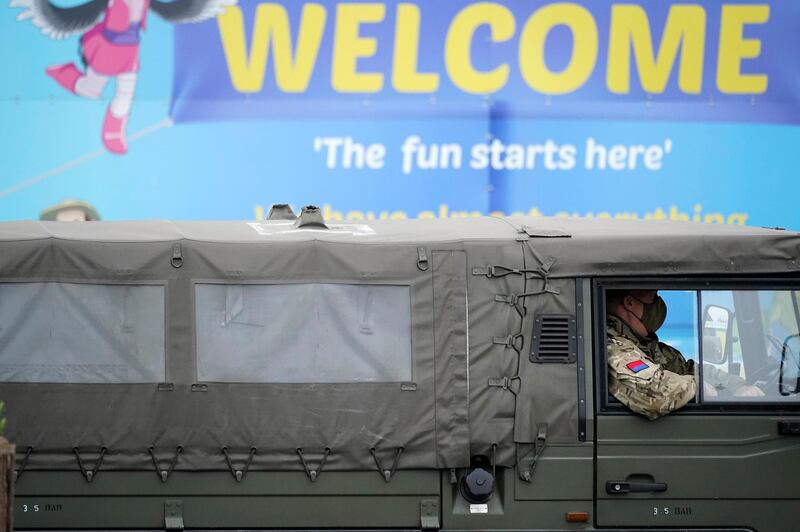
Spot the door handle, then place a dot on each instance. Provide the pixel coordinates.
(617, 488)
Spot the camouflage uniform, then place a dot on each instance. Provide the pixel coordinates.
(649, 377)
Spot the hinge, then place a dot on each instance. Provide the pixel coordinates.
(173, 515)
(429, 514)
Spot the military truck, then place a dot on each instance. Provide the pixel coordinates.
(414, 375)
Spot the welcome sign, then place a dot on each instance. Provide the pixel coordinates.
(683, 110)
(710, 60)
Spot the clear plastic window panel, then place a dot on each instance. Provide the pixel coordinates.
(303, 333)
(751, 346)
(81, 333)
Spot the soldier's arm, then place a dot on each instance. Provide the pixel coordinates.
(677, 362)
(643, 386)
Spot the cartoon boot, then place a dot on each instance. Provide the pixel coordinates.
(66, 75)
(114, 133)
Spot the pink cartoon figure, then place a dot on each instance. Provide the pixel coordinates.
(110, 47)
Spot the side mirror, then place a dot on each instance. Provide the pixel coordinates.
(789, 383)
(717, 326)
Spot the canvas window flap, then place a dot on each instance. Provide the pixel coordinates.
(549, 391)
(491, 408)
(303, 333)
(81, 333)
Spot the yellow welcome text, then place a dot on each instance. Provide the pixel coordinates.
(508, 44)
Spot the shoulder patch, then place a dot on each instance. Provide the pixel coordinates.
(636, 366)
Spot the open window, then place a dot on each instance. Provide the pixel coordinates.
(745, 342)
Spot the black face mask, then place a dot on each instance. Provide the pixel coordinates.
(653, 314)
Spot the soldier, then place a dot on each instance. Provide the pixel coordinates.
(650, 377)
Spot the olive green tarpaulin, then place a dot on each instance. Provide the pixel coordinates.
(259, 335)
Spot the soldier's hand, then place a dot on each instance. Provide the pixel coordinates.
(709, 390)
(747, 390)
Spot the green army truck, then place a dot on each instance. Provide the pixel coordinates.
(409, 375)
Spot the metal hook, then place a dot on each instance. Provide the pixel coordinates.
(313, 474)
(87, 474)
(538, 448)
(238, 474)
(387, 473)
(162, 473)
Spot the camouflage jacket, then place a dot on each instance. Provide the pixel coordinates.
(649, 377)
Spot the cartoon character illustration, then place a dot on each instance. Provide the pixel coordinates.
(109, 48)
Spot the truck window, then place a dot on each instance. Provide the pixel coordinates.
(680, 330)
(745, 344)
(81, 333)
(303, 333)
(751, 341)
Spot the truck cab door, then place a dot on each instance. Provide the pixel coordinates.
(723, 461)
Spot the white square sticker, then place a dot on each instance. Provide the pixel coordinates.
(479, 508)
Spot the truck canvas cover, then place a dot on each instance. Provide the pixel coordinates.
(345, 347)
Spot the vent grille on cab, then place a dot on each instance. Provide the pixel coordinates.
(554, 338)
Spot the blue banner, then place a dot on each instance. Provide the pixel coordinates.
(711, 60)
(655, 109)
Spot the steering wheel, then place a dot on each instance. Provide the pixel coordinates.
(767, 377)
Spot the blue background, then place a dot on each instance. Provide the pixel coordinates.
(226, 169)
